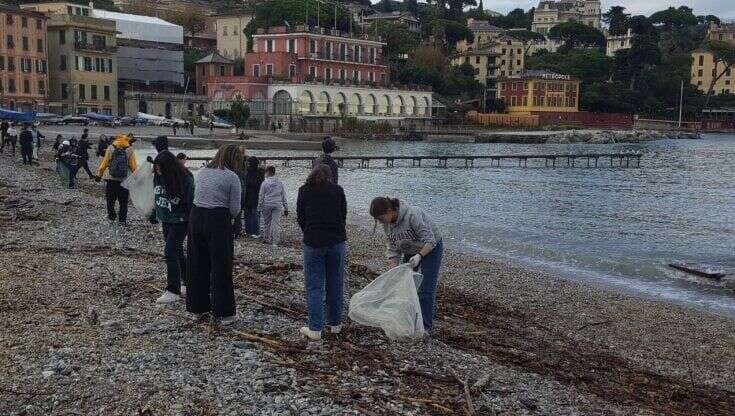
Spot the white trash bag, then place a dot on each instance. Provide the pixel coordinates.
(391, 302)
(140, 185)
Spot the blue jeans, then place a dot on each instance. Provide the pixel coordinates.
(252, 221)
(427, 291)
(324, 269)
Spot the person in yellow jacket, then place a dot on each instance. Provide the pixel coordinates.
(118, 162)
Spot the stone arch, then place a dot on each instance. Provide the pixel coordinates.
(356, 106)
(371, 107)
(282, 103)
(143, 106)
(386, 105)
(324, 105)
(413, 106)
(399, 105)
(341, 100)
(306, 102)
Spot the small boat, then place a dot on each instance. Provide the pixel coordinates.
(701, 270)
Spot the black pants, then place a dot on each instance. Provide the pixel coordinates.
(210, 255)
(173, 252)
(26, 152)
(115, 192)
(10, 140)
(84, 164)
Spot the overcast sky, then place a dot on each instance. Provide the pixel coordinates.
(724, 9)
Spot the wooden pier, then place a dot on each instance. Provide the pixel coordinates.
(591, 160)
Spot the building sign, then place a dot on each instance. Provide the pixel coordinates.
(556, 76)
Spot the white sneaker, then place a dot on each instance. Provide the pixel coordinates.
(168, 297)
(228, 320)
(254, 236)
(311, 335)
(183, 291)
(334, 329)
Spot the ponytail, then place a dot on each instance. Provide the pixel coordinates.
(381, 205)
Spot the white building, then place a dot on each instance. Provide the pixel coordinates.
(405, 18)
(620, 42)
(550, 13)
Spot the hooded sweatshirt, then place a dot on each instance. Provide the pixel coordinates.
(160, 143)
(410, 233)
(272, 194)
(173, 209)
(120, 142)
(253, 180)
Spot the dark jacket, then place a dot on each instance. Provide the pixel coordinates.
(65, 154)
(102, 147)
(321, 211)
(26, 138)
(160, 143)
(253, 179)
(82, 149)
(171, 209)
(327, 159)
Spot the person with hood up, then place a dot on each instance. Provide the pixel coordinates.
(69, 162)
(119, 162)
(254, 177)
(26, 144)
(272, 205)
(82, 151)
(412, 238)
(173, 190)
(329, 147)
(160, 143)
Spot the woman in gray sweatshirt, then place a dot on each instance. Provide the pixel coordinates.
(210, 246)
(272, 205)
(412, 238)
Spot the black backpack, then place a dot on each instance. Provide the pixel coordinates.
(119, 163)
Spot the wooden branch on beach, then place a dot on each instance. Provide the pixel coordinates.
(467, 394)
(426, 401)
(592, 324)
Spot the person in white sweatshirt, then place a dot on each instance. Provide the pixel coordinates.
(272, 205)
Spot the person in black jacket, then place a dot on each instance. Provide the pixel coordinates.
(82, 152)
(102, 145)
(321, 210)
(329, 146)
(253, 179)
(26, 144)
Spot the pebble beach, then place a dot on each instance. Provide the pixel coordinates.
(82, 335)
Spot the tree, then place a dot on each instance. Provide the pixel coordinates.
(412, 6)
(399, 40)
(516, 19)
(575, 34)
(452, 32)
(385, 6)
(188, 17)
(239, 113)
(527, 37)
(616, 19)
(589, 65)
(723, 56)
(673, 17)
(456, 8)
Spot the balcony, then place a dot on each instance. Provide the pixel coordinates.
(94, 47)
(279, 30)
(347, 58)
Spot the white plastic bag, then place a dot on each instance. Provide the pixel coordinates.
(140, 185)
(391, 302)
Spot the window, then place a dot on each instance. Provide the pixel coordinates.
(10, 43)
(477, 59)
(382, 78)
(224, 31)
(69, 10)
(700, 73)
(109, 65)
(328, 50)
(93, 92)
(312, 71)
(371, 76)
(525, 100)
(357, 53)
(39, 24)
(312, 46)
(292, 71)
(87, 63)
(25, 43)
(269, 69)
(39, 45)
(513, 101)
(221, 70)
(518, 62)
(342, 52)
(270, 45)
(9, 20)
(356, 76)
(2, 63)
(11, 64)
(328, 73)
(291, 45)
(342, 74)
(23, 21)
(26, 86)
(77, 61)
(107, 93)
(82, 92)
(62, 37)
(41, 87)
(372, 55)
(256, 70)
(64, 91)
(11, 85)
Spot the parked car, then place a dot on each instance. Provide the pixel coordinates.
(75, 120)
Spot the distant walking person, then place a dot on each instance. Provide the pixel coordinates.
(102, 145)
(4, 126)
(272, 205)
(37, 137)
(82, 152)
(173, 190)
(173, 126)
(321, 209)
(253, 179)
(412, 238)
(119, 162)
(210, 245)
(329, 147)
(211, 127)
(191, 127)
(11, 137)
(26, 144)
(69, 161)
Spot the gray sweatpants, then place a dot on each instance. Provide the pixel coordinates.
(271, 231)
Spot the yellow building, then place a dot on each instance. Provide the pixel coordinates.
(538, 92)
(703, 66)
(82, 54)
(500, 58)
(231, 41)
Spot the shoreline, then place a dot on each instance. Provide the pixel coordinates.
(78, 307)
